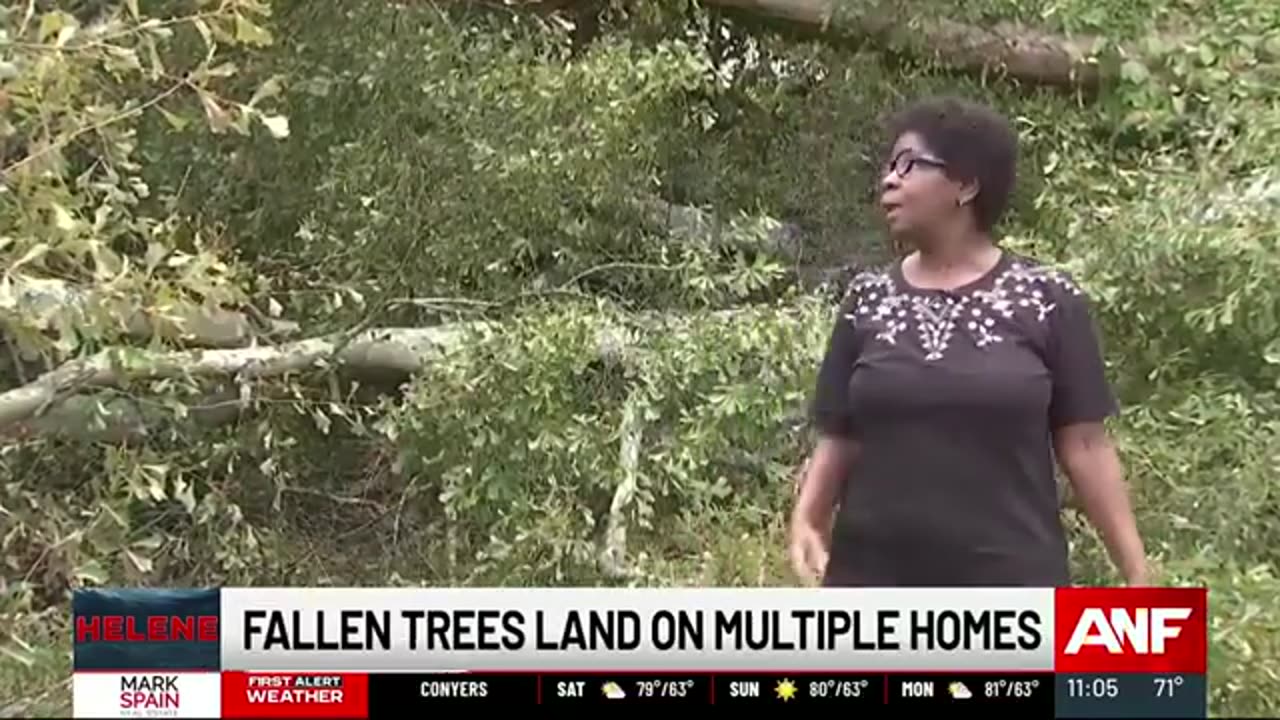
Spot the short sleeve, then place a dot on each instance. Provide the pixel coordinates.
(831, 410)
(1081, 392)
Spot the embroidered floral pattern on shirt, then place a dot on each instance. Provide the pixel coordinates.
(937, 317)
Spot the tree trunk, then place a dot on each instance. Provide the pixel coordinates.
(1019, 52)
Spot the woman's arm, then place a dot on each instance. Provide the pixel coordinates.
(823, 475)
(1089, 459)
(817, 491)
(818, 486)
(1082, 400)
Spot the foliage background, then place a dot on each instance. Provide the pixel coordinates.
(422, 163)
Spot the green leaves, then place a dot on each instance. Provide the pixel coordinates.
(1134, 71)
(77, 208)
(516, 168)
(1271, 354)
(523, 438)
(250, 33)
(57, 27)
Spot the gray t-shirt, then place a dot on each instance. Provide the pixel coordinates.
(953, 396)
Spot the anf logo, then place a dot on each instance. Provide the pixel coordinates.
(1130, 630)
(1143, 631)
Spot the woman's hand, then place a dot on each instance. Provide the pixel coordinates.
(808, 550)
(1137, 577)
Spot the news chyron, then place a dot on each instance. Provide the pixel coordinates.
(375, 652)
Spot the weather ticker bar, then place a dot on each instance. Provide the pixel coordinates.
(1022, 694)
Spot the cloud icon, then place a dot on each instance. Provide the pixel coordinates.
(612, 691)
(959, 691)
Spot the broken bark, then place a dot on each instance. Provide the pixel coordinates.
(1019, 52)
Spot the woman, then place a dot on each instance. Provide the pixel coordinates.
(951, 381)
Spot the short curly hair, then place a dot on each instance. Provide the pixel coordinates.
(975, 141)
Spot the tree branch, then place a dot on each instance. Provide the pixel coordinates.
(400, 350)
(613, 556)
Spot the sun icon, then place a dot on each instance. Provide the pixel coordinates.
(785, 689)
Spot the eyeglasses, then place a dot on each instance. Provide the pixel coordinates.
(905, 161)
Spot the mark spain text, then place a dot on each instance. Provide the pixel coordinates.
(576, 629)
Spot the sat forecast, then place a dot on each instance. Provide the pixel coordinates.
(146, 653)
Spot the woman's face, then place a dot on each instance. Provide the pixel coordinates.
(915, 192)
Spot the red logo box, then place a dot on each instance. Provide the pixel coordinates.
(294, 695)
(1131, 630)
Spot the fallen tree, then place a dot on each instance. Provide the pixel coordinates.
(73, 402)
(1017, 51)
(81, 400)
(77, 399)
